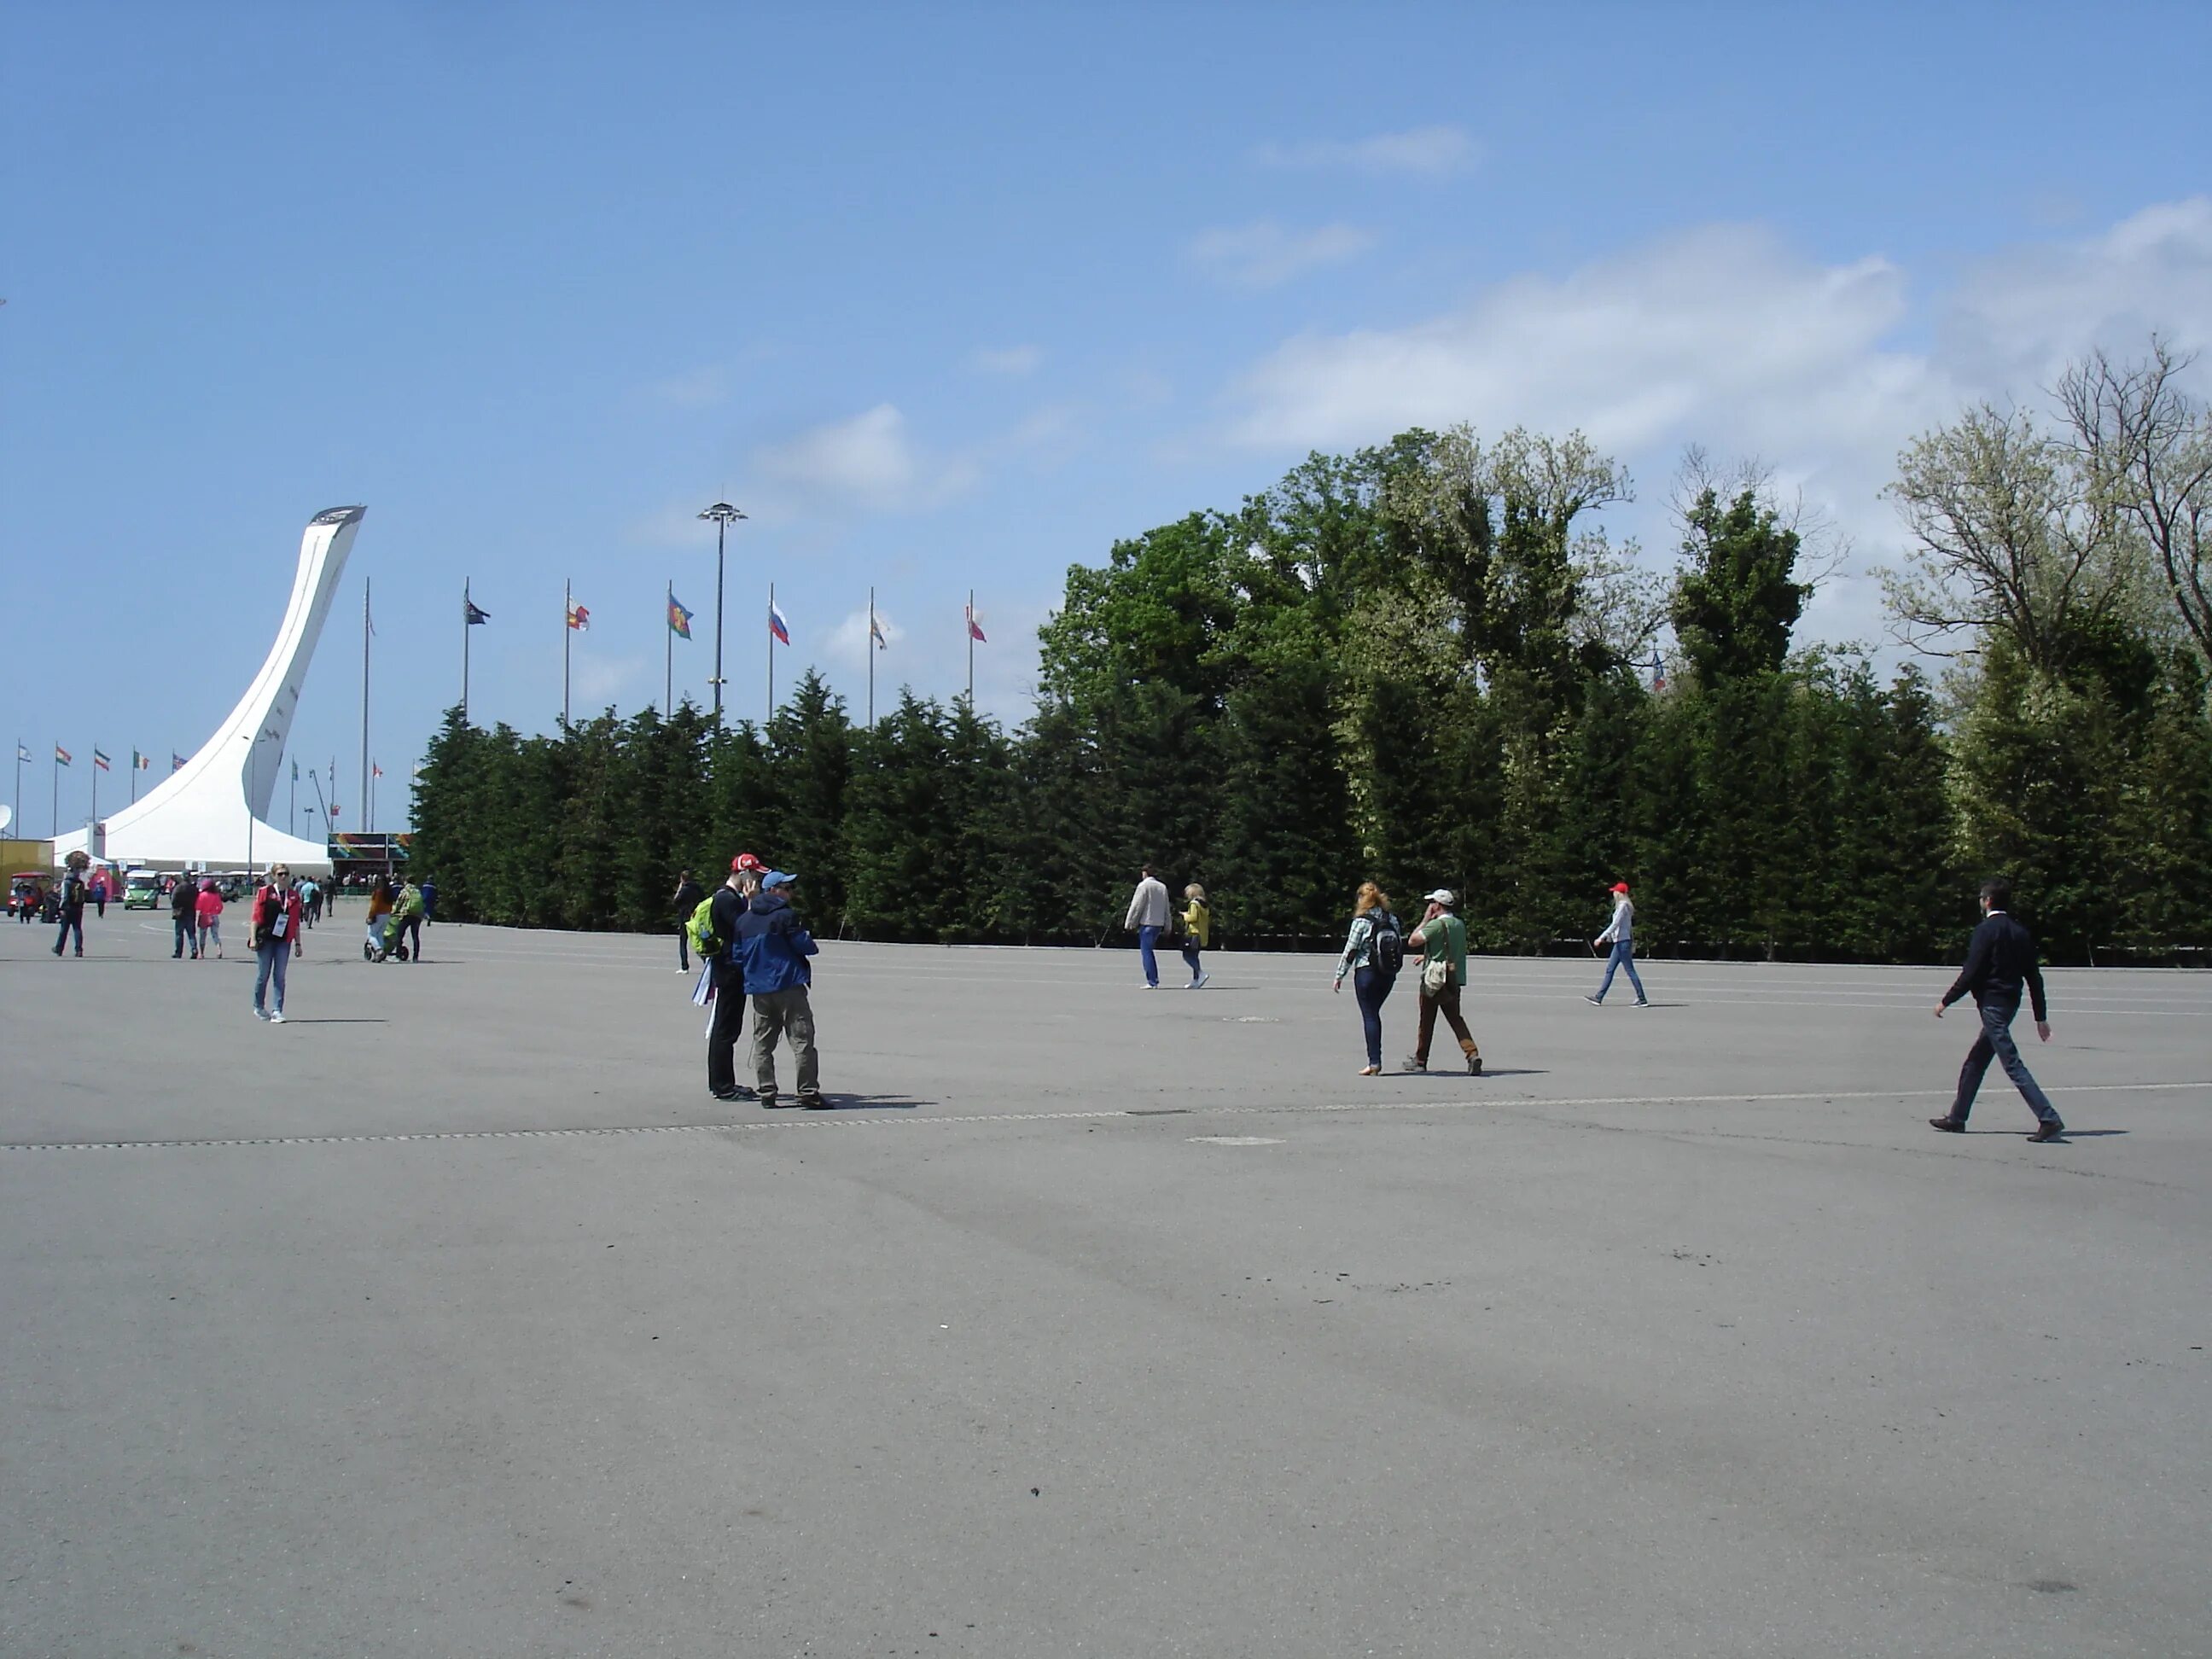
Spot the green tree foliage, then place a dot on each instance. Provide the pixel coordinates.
(1425, 663)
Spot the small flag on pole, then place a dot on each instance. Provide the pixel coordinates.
(777, 625)
(145, 764)
(579, 618)
(22, 753)
(176, 761)
(99, 759)
(974, 628)
(680, 619)
(876, 632)
(61, 756)
(375, 770)
(296, 771)
(472, 613)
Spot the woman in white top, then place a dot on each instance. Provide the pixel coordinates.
(1620, 935)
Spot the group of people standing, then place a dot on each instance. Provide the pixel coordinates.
(752, 943)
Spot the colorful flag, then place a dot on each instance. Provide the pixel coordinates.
(875, 633)
(176, 761)
(974, 628)
(61, 755)
(472, 613)
(99, 759)
(375, 770)
(579, 618)
(777, 625)
(680, 619)
(145, 764)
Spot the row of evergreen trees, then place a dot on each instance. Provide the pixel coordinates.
(1422, 664)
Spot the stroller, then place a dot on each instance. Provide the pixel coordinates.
(381, 942)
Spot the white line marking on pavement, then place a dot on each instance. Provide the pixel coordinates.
(860, 1119)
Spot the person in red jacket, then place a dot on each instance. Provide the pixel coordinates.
(277, 914)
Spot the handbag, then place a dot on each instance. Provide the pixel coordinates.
(1435, 972)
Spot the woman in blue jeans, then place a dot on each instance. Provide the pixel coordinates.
(1370, 983)
(1621, 936)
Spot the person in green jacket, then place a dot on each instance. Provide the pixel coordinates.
(1440, 939)
(1197, 933)
(407, 921)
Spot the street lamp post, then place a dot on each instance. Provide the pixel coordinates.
(722, 513)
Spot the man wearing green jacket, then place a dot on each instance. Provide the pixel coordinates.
(1440, 939)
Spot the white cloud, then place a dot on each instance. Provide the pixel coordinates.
(695, 388)
(848, 641)
(1726, 337)
(868, 462)
(1012, 361)
(1432, 151)
(1264, 254)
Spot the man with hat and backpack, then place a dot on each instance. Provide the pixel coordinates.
(714, 934)
(1441, 940)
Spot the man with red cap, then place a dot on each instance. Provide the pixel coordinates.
(1620, 935)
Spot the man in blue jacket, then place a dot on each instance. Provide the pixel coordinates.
(1999, 961)
(773, 946)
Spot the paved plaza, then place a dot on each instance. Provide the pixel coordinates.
(452, 1317)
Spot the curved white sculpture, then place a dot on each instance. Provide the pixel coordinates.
(213, 809)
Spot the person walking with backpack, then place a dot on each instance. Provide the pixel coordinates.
(774, 945)
(1148, 920)
(1440, 939)
(275, 924)
(715, 938)
(2000, 959)
(1197, 933)
(73, 895)
(1620, 935)
(1374, 950)
(686, 900)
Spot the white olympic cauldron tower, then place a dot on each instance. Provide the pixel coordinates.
(213, 811)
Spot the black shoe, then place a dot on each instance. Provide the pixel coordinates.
(1410, 1064)
(1950, 1126)
(814, 1103)
(769, 1103)
(730, 1094)
(1474, 1065)
(2048, 1132)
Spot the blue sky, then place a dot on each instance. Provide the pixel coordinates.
(953, 297)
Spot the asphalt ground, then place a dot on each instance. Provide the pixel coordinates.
(453, 1318)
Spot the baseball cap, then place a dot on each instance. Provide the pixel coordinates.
(1620, 887)
(1442, 896)
(747, 861)
(779, 878)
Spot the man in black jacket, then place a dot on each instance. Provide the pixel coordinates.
(182, 898)
(731, 899)
(1999, 960)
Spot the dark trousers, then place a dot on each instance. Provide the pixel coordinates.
(729, 1027)
(410, 928)
(186, 936)
(1373, 990)
(786, 1013)
(70, 918)
(683, 947)
(1996, 1042)
(1190, 955)
(1444, 1002)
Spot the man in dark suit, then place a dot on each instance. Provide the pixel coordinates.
(1999, 961)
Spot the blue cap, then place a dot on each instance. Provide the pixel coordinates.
(779, 878)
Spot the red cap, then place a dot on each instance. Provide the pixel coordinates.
(747, 861)
(1620, 887)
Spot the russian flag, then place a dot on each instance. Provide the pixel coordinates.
(777, 625)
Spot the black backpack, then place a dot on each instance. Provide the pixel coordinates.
(1386, 950)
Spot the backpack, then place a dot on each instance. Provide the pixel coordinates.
(1386, 949)
(699, 930)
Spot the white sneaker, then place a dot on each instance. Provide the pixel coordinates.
(1199, 983)
(261, 1015)
(276, 1018)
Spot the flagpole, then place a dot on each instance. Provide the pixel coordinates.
(18, 796)
(971, 648)
(289, 823)
(364, 694)
(567, 627)
(56, 830)
(95, 819)
(467, 605)
(668, 654)
(771, 653)
(869, 646)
